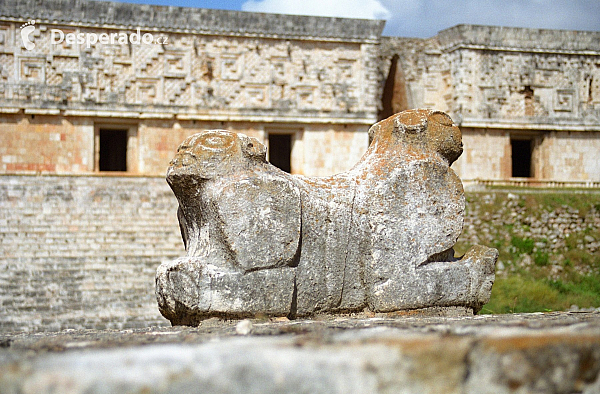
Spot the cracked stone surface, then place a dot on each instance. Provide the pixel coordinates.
(357, 353)
(378, 238)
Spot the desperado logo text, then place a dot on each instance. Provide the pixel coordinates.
(57, 36)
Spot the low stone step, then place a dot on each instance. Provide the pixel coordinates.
(526, 353)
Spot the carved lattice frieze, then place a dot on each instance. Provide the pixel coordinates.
(521, 85)
(63, 47)
(7, 67)
(198, 71)
(176, 64)
(257, 95)
(305, 96)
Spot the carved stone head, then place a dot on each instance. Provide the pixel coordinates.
(213, 152)
(429, 130)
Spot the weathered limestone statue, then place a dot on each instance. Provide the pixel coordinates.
(380, 237)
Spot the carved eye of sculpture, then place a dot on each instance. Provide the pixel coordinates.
(216, 140)
(187, 143)
(442, 119)
(412, 122)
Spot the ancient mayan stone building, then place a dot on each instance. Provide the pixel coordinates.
(528, 101)
(307, 86)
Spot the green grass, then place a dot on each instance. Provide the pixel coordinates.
(523, 245)
(541, 258)
(539, 275)
(520, 294)
(587, 287)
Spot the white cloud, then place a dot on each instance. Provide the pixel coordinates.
(365, 9)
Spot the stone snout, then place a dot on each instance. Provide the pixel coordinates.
(379, 237)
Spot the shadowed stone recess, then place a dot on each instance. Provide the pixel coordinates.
(379, 237)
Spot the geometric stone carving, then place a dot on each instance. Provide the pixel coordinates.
(32, 69)
(564, 100)
(198, 72)
(260, 241)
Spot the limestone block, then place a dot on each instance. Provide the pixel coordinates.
(380, 236)
(550, 353)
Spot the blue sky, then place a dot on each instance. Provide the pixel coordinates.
(424, 18)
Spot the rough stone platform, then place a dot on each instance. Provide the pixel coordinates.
(521, 353)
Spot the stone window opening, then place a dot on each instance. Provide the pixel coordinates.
(280, 150)
(521, 158)
(115, 149)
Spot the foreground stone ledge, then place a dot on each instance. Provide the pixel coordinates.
(525, 353)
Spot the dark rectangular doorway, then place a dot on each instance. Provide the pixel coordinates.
(113, 150)
(521, 158)
(280, 151)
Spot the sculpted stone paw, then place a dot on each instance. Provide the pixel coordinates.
(482, 263)
(191, 291)
(380, 236)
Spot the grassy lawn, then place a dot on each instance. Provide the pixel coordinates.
(524, 293)
(549, 245)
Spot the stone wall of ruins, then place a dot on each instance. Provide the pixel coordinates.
(82, 251)
(210, 69)
(322, 80)
(498, 83)
(570, 155)
(58, 144)
(491, 159)
(45, 143)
